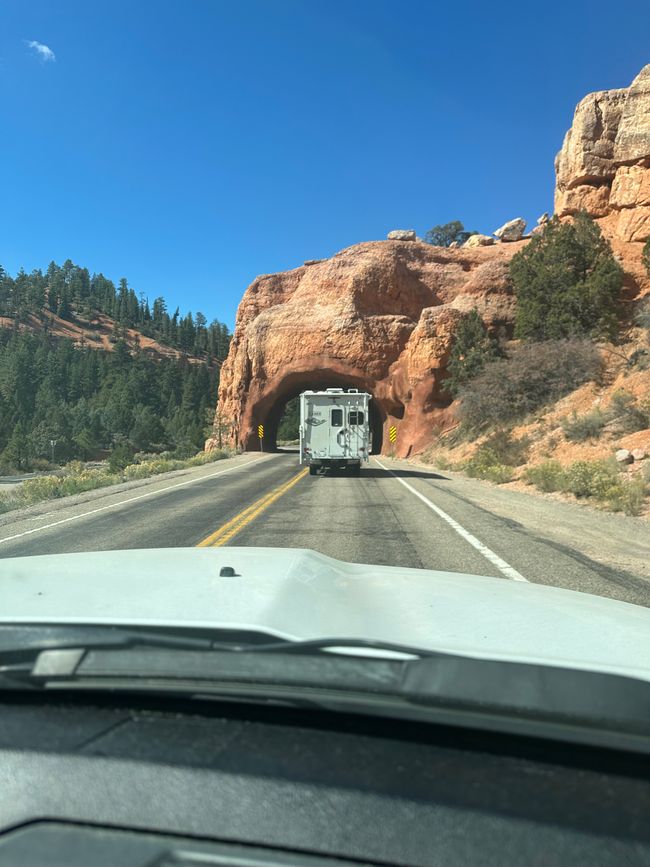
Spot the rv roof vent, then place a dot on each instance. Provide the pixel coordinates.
(335, 390)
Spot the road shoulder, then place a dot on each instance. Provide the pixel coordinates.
(614, 540)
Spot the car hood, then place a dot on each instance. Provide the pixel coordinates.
(300, 594)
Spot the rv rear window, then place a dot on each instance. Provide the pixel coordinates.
(356, 416)
(337, 418)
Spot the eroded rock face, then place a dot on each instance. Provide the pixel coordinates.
(604, 165)
(378, 316)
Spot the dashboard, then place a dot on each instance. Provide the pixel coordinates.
(93, 779)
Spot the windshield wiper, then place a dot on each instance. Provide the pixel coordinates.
(344, 675)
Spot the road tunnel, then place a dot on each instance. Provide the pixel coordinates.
(269, 411)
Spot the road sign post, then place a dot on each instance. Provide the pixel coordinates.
(392, 434)
(260, 433)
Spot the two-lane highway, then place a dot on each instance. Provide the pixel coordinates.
(393, 514)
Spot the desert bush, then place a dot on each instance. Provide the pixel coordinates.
(590, 479)
(505, 449)
(487, 463)
(547, 476)
(627, 496)
(629, 414)
(646, 255)
(40, 488)
(208, 457)
(75, 479)
(486, 467)
(642, 316)
(40, 464)
(584, 427)
(509, 389)
(88, 480)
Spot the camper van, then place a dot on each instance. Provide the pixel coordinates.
(334, 429)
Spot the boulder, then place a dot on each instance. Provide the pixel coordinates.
(513, 230)
(402, 235)
(624, 456)
(377, 316)
(479, 241)
(543, 220)
(312, 261)
(639, 454)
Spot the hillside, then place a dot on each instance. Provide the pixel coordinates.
(89, 371)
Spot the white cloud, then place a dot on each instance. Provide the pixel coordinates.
(44, 51)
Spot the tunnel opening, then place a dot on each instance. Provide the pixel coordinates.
(276, 414)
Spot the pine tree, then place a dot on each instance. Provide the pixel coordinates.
(472, 348)
(567, 283)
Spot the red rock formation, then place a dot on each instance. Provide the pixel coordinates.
(381, 315)
(603, 168)
(378, 316)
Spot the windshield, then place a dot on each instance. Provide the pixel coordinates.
(327, 321)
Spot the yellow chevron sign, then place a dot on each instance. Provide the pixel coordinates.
(392, 433)
(260, 431)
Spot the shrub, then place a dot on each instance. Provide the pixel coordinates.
(590, 479)
(646, 255)
(508, 389)
(506, 450)
(627, 496)
(567, 283)
(487, 463)
(642, 316)
(584, 427)
(41, 488)
(473, 347)
(628, 413)
(120, 457)
(486, 467)
(547, 476)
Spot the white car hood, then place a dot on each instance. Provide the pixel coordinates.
(299, 594)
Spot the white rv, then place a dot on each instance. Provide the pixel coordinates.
(334, 429)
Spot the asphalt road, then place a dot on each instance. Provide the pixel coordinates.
(394, 514)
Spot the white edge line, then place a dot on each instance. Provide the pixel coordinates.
(123, 502)
(503, 567)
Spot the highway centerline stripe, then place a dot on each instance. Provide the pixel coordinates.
(128, 500)
(226, 532)
(503, 567)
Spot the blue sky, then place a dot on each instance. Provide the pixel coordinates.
(190, 146)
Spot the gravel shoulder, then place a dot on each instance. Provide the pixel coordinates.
(19, 519)
(611, 539)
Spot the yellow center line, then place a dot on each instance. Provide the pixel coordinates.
(226, 532)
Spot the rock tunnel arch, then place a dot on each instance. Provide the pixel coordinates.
(269, 408)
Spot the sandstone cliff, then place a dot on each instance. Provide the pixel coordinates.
(604, 165)
(378, 316)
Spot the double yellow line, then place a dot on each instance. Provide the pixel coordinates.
(225, 533)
